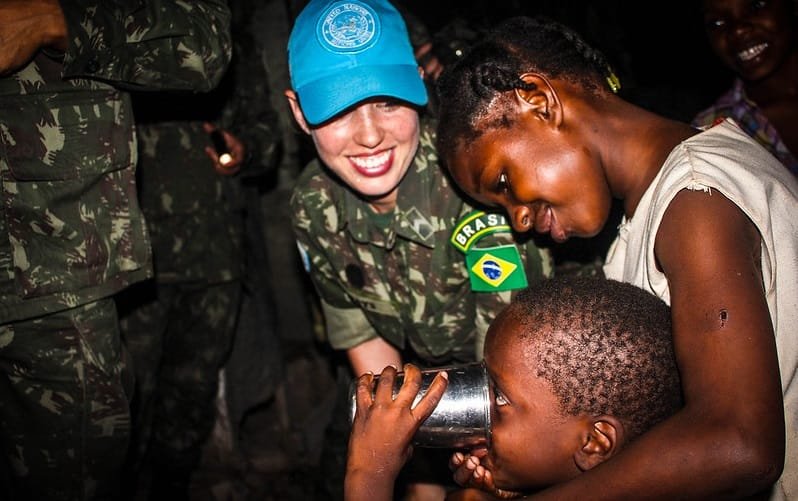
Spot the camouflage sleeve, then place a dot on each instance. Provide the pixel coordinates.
(346, 327)
(488, 305)
(148, 44)
(345, 323)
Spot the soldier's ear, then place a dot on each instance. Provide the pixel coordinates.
(296, 110)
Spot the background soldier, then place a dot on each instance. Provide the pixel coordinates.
(71, 232)
(200, 211)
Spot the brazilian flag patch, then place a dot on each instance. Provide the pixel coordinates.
(494, 269)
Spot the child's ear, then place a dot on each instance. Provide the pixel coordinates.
(603, 438)
(541, 99)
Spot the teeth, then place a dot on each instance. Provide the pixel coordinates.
(752, 52)
(371, 162)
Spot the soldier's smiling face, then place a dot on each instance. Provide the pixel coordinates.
(369, 147)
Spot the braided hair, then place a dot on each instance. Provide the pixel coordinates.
(604, 346)
(472, 90)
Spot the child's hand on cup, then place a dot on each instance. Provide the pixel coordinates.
(381, 440)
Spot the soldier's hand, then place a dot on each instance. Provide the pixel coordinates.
(27, 26)
(429, 62)
(230, 162)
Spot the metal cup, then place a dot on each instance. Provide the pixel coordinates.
(461, 420)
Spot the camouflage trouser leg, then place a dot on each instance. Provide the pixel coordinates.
(178, 343)
(64, 410)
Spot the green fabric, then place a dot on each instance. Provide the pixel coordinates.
(72, 230)
(409, 282)
(495, 269)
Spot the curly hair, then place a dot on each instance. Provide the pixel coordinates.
(604, 346)
(472, 90)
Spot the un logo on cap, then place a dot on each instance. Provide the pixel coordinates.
(348, 27)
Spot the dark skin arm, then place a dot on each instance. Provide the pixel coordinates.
(27, 26)
(710, 251)
(728, 440)
(382, 432)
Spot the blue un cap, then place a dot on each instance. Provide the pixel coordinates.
(341, 52)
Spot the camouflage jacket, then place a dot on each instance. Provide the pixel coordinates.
(405, 281)
(71, 230)
(194, 224)
(195, 216)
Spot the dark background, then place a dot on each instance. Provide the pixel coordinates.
(658, 48)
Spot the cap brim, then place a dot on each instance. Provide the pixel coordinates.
(326, 97)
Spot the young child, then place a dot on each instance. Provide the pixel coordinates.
(580, 366)
(529, 122)
(758, 41)
(375, 217)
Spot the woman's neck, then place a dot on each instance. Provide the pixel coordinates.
(639, 144)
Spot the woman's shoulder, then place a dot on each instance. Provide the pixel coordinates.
(314, 191)
(314, 180)
(726, 149)
(725, 159)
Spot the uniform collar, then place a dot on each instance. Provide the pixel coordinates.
(412, 215)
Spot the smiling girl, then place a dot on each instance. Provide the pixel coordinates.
(758, 41)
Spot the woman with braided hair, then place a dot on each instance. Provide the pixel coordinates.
(530, 121)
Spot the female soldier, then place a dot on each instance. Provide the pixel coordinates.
(406, 271)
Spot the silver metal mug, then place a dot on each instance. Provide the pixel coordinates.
(461, 420)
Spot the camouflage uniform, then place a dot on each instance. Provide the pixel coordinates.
(402, 281)
(71, 233)
(179, 329)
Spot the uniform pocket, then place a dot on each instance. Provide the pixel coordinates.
(69, 192)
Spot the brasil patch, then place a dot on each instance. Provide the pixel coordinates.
(476, 225)
(495, 269)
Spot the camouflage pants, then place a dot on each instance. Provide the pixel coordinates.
(64, 407)
(178, 338)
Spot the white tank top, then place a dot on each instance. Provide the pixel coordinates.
(726, 159)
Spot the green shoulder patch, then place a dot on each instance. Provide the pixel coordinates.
(494, 269)
(476, 225)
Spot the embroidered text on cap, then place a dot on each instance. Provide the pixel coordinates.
(348, 27)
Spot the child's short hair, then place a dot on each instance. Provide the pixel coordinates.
(604, 346)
